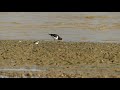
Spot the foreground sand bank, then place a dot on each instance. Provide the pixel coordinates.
(60, 59)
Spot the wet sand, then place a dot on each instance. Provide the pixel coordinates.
(59, 59)
(72, 26)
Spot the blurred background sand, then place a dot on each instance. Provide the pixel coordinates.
(72, 26)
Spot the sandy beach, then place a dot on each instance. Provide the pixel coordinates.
(90, 47)
(59, 59)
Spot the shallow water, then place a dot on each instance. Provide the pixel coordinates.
(71, 26)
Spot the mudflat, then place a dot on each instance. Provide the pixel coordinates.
(59, 59)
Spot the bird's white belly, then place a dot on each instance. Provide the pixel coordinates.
(56, 37)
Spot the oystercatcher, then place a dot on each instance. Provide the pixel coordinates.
(56, 37)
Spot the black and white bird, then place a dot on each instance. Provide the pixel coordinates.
(56, 37)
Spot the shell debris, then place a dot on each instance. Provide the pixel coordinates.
(19, 41)
(37, 42)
